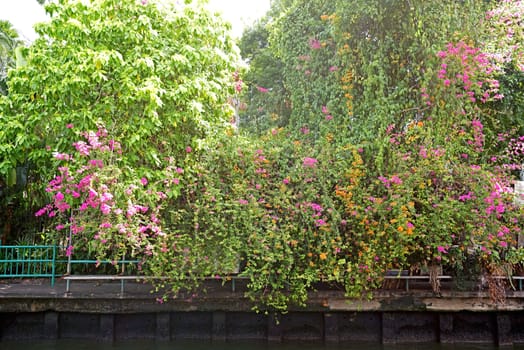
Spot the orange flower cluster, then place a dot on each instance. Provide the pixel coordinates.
(347, 86)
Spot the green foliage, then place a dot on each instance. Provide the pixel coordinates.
(417, 88)
(503, 38)
(157, 76)
(8, 42)
(384, 142)
(265, 206)
(304, 42)
(265, 102)
(389, 48)
(153, 75)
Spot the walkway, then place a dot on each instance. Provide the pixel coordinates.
(91, 296)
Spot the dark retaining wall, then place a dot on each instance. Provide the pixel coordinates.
(35, 310)
(498, 328)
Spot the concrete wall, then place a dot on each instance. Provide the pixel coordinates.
(31, 310)
(497, 328)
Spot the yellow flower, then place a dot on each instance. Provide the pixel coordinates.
(323, 256)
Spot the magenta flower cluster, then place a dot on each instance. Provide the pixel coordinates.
(470, 73)
(89, 197)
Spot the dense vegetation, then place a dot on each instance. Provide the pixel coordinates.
(365, 136)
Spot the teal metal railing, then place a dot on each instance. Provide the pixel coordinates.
(40, 261)
(28, 261)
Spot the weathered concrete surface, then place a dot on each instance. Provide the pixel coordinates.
(38, 295)
(35, 310)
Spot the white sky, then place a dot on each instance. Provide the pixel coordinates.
(24, 13)
(240, 13)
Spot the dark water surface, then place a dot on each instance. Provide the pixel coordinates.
(202, 345)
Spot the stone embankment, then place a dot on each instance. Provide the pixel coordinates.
(94, 310)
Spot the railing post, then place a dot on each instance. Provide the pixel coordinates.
(53, 266)
(68, 269)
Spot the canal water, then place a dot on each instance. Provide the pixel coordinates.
(200, 345)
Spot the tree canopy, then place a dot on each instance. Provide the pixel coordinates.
(9, 40)
(147, 71)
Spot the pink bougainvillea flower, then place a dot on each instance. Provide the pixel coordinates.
(106, 225)
(61, 156)
(144, 181)
(69, 251)
(385, 181)
(105, 197)
(316, 207)
(70, 126)
(62, 206)
(131, 210)
(96, 163)
(319, 222)
(396, 180)
(310, 162)
(238, 86)
(105, 209)
(423, 152)
(262, 89)
(76, 229)
(82, 148)
(315, 44)
(59, 196)
(442, 249)
(189, 149)
(141, 208)
(466, 196)
(285, 181)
